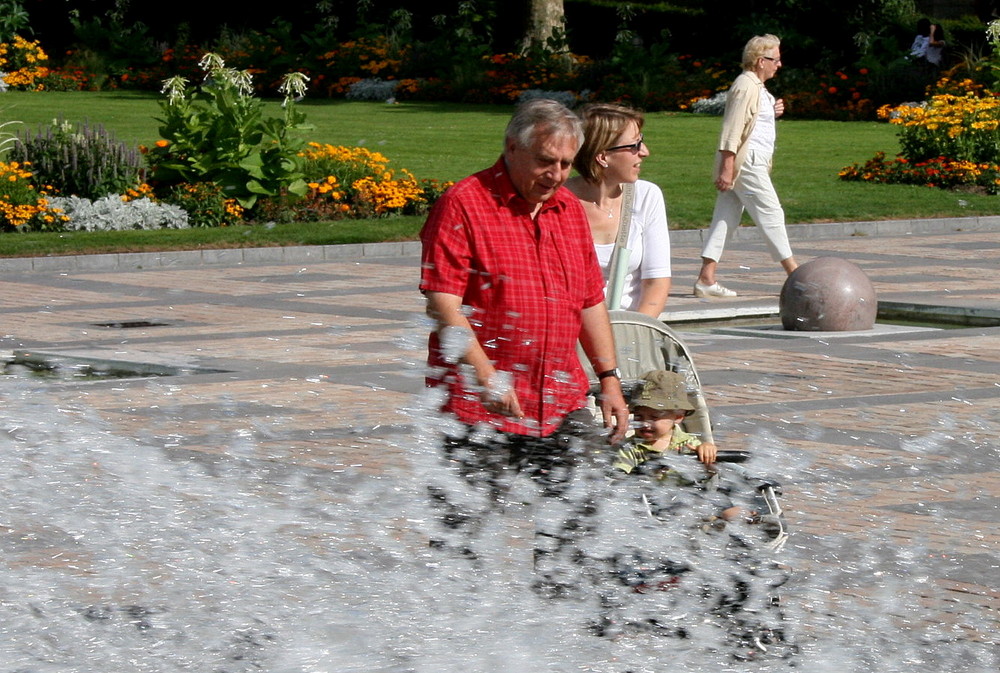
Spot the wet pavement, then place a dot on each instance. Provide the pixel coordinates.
(313, 356)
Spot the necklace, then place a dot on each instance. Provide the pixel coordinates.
(610, 212)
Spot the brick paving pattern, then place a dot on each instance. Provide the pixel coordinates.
(317, 363)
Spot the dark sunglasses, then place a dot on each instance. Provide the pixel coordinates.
(631, 147)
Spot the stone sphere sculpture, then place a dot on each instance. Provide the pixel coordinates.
(828, 294)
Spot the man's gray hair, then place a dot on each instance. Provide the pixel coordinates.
(542, 117)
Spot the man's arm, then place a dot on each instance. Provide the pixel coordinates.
(599, 344)
(455, 332)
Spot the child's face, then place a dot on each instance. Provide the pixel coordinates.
(652, 424)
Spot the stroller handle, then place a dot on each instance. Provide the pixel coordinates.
(732, 456)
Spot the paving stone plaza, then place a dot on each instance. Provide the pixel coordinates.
(314, 356)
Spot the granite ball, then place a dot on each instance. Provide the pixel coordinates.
(828, 294)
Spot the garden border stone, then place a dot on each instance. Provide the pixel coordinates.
(312, 253)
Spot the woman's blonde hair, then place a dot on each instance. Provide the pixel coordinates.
(603, 123)
(757, 48)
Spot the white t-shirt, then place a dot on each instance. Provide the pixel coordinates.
(648, 244)
(935, 53)
(764, 133)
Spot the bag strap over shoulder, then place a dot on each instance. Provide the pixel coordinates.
(628, 196)
(619, 256)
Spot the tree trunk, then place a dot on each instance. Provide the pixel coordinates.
(545, 16)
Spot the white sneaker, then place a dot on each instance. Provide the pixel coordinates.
(715, 290)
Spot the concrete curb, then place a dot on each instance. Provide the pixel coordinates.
(129, 261)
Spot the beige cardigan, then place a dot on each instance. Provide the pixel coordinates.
(742, 106)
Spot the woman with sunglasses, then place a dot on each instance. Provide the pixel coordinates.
(743, 166)
(611, 155)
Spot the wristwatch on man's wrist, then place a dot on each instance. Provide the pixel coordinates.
(617, 373)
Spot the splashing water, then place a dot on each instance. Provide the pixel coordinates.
(121, 556)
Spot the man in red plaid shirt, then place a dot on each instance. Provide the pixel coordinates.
(512, 280)
(511, 277)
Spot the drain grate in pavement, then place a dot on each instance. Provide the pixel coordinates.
(132, 324)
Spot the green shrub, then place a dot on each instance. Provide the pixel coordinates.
(84, 160)
(217, 132)
(205, 204)
(112, 45)
(14, 19)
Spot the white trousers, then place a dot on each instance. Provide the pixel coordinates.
(754, 193)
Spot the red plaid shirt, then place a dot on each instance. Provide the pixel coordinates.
(525, 282)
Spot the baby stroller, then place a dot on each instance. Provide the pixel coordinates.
(644, 344)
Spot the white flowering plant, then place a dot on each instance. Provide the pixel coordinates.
(993, 38)
(217, 131)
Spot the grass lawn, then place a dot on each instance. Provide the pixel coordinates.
(448, 142)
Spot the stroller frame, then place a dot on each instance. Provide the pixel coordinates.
(643, 344)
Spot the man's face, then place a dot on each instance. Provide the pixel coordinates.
(540, 170)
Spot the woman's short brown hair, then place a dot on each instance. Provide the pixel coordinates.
(603, 123)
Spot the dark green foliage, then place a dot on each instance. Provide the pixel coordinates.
(205, 204)
(14, 20)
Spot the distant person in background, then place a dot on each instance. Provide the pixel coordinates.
(918, 50)
(935, 46)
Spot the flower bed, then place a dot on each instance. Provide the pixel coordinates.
(221, 161)
(952, 140)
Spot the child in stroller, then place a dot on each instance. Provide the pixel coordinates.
(647, 345)
(700, 552)
(724, 581)
(658, 406)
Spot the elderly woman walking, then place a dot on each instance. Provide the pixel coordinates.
(743, 166)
